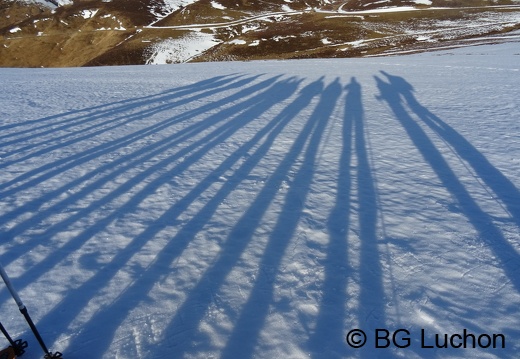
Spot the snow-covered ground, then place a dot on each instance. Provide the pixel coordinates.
(265, 209)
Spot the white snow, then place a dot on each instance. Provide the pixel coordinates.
(88, 14)
(177, 50)
(382, 2)
(264, 209)
(44, 2)
(168, 6)
(249, 27)
(237, 42)
(217, 5)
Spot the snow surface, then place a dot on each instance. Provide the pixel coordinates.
(88, 14)
(44, 2)
(216, 5)
(177, 50)
(264, 209)
(169, 6)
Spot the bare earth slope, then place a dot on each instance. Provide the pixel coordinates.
(119, 32)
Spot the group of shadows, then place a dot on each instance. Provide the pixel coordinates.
(246, 99)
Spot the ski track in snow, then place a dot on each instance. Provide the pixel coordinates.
(263, 209)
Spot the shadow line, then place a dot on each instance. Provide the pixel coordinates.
(252, 317)
(327, 339)
(503, 188)
(111, 170)
(57, 167)
(107, 319)
(102, 111)
(392, 93)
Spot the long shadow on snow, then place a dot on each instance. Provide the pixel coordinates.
(63, 132)
(186, 315)
(123, 117)
(393, 93)
(137, 291)
(247, 329)
(49, 125)
(504, 189)
(371, 311)
(204, 145)
(111, 170)
(328, 337)
(134, 160)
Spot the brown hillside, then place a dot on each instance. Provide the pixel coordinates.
(120, 32)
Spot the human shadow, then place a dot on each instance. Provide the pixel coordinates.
(92, 181)
(42, 136)
(242, 232)
(247, 327)
(108, 319)
(397, 93)
(328, 332)
(35, 129)
(372, 304)
(393, 92)
(501, 186)
(110, 316)
(190, 153)
(355, 179)
(114, 118)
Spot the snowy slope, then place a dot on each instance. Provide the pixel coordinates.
(264, 209)
(158, 8)
(49, 2)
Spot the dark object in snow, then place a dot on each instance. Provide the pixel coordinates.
(18, 346)
(23, 310)
(7, 353)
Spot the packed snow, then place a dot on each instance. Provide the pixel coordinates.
(266, 209)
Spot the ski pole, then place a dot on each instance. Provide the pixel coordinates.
(17, 345)
(23, 310)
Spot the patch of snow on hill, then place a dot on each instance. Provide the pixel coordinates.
(180, 49)
(170, 6)
(48, 3)
(88, 14)
(217, 5)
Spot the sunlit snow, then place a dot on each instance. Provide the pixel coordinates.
(87, 14)
(264, 209)
(177, 50)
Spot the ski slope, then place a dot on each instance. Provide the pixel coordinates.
(265, 209)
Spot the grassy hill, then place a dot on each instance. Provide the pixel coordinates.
(117, 32)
